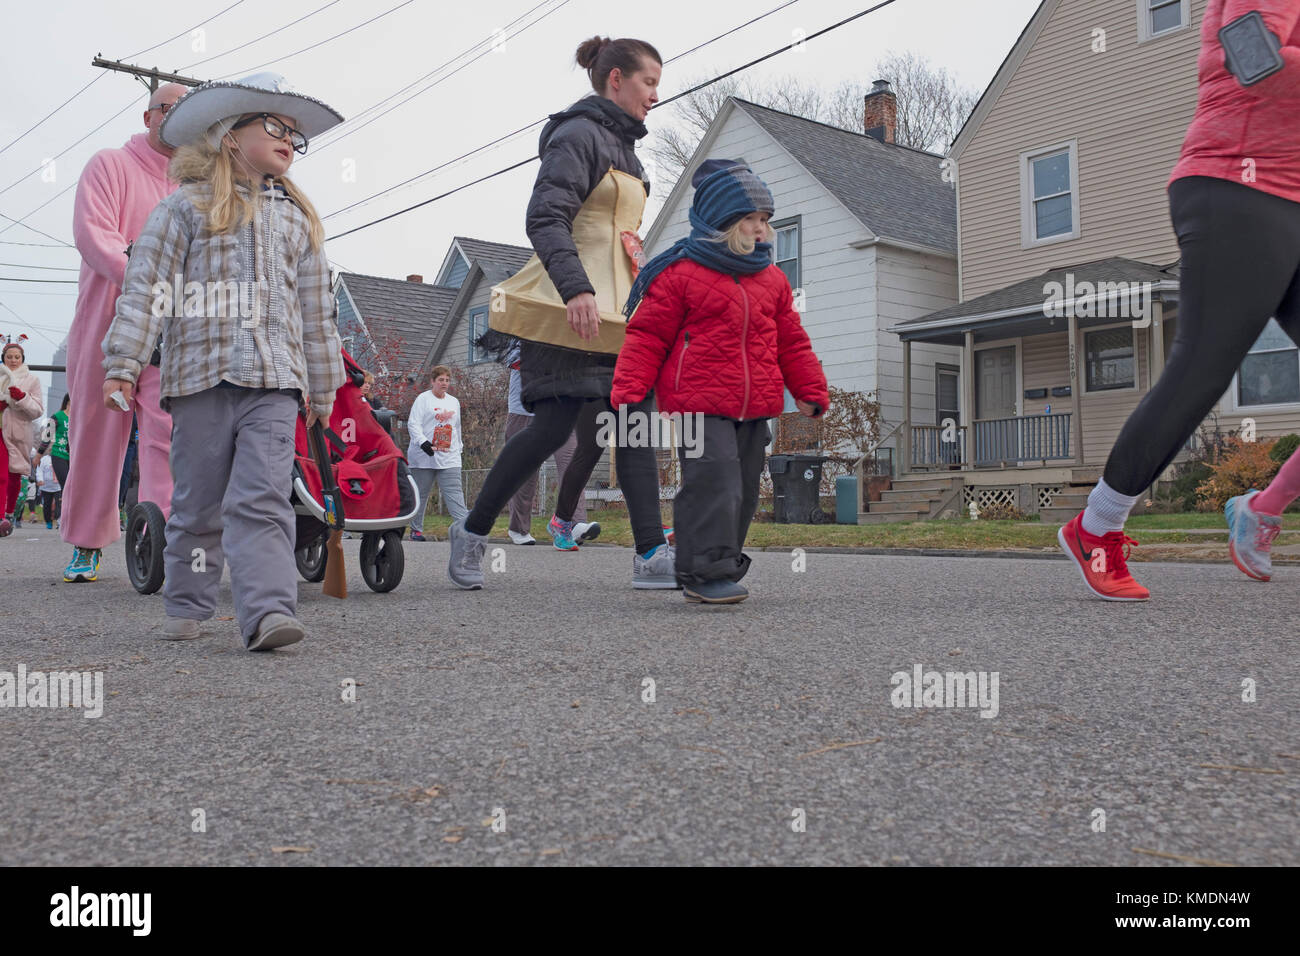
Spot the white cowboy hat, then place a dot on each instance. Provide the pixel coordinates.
(196, 112)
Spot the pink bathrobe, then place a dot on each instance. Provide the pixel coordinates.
(117, 191)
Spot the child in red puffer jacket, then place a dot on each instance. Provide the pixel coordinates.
(714, 332)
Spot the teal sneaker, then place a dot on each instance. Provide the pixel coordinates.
(562, 532)
(1250, 536)
(84, 565)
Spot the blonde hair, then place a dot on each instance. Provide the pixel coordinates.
(739, 244)
(227, 210)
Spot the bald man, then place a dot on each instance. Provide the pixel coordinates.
(117, 191)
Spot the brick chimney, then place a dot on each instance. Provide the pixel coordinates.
(414, 278)
(880, 112)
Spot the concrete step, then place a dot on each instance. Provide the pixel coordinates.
(1057, 516)
(900, 507)
(1070, 499)
(1088, 475)
(915, 495)
(925, 481)
(882, 518)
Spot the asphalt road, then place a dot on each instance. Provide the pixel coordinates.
(524, 705)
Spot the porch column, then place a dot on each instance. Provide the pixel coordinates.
(905, 466)
(1076, 390)
(1156, 360)
(968, 398)
(1157, 355)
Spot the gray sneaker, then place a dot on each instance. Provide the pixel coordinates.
(465, 567)
(179, 629)
(276, 630)
(715, 592)
(656, 572)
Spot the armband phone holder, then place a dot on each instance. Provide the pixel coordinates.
(1250, 51)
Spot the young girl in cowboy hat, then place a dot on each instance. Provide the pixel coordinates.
(235, 364)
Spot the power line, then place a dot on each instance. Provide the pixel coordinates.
(19, 222)
(522, 129)
(321, 43)
(443, 66)
(23, 265)
(100, 76)
(43, 245)
(426, 202)
(261, 38)
(694, 89)
(49, 281)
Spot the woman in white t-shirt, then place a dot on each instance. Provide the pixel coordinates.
(434, 451)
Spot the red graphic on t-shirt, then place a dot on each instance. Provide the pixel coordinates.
(441, 439)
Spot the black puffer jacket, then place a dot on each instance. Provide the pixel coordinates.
(578, 147)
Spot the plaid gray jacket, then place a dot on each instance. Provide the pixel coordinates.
(251, 307)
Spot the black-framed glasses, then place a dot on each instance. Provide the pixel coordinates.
(276, 130)
(162, 107)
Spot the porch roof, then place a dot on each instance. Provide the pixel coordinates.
(1023, 307)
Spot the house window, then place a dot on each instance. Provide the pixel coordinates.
(1049, 197)
(1110, 359)
(787, 247)
(478, 324)
(1158, 17)
(1270, 373)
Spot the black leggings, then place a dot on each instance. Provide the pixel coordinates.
(50, 505)
(1240, 267)
(553, 421)
(60, 469)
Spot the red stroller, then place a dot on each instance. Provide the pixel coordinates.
(376, 489)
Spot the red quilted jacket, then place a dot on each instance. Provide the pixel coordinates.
(719, 344)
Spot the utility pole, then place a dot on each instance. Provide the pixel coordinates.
(141, 72)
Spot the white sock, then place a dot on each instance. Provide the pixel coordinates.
(1107, 510)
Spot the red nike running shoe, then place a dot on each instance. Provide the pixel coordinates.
(1103, 561)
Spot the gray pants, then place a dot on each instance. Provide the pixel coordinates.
(448, 486)
(521, 505)
(232, 462)
(716, 502)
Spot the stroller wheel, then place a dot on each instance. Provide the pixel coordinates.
(144, 547)
(382, 560)
(310, 559)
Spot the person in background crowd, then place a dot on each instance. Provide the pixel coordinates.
(521, 505)
(59, 450)
(51, 491)
(20, 405)
(434, 453)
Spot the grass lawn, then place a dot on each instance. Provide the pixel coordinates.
(964, 534)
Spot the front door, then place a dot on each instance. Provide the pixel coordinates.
(995, 398)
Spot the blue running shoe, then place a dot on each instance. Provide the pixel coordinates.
(1250, 536)
(84, 565)
(562, 532)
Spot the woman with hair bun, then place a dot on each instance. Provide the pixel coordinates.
(565, 306)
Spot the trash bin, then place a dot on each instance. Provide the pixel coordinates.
(847, 502)
(796, 487)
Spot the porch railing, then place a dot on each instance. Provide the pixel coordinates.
(993, 441)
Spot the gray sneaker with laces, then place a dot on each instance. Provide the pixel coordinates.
(465, 567)
(656, 572)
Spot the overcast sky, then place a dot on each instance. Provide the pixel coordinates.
(47, 60)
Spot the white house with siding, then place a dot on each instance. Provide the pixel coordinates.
(866, 231)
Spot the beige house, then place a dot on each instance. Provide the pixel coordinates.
(1067, 267)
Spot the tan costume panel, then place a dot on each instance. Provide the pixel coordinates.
(527, 304)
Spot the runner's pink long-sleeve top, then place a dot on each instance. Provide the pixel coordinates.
(1247, 134)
